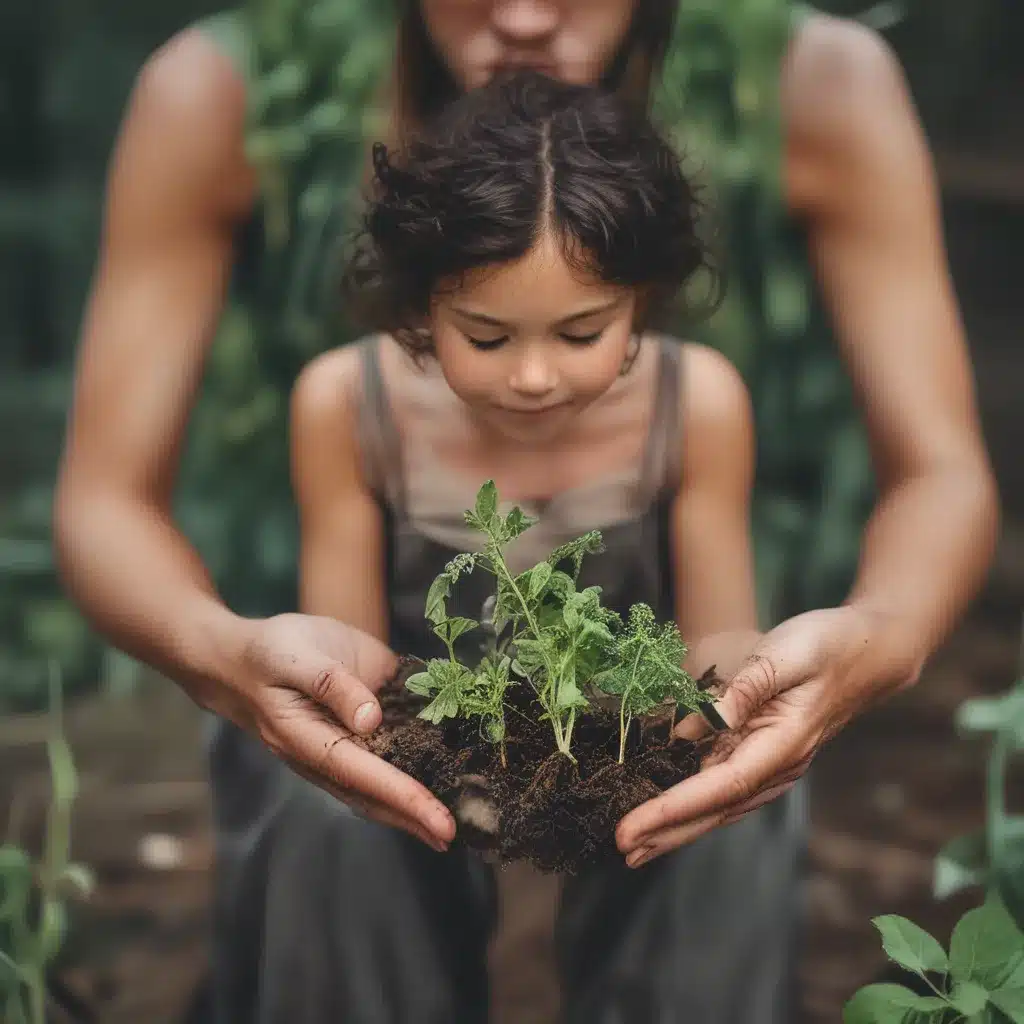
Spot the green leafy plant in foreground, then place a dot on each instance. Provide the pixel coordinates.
(33, 915)
(551, 635)
(982, 978)
(648, 669)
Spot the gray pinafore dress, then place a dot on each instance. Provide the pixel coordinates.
(322, 917)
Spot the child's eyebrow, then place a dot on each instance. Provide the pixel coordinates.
(490, 321)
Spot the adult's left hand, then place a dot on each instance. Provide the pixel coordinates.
(800, 685)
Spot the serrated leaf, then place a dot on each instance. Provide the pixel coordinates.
(986, 947)
(444, 705)
(517, 522)
(596, 632)
(572, 615)
(540, 576)
(436, 610)
(486, 502)
(437, 598)
(421, 683)
(910, 945)
(452, 629)
(575, 551)
(886, 1003)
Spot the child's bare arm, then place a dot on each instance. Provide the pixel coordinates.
(341, 564)
(713, 564)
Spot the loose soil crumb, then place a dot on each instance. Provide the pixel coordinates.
(541, 808)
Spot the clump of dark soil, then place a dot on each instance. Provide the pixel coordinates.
(541, 807)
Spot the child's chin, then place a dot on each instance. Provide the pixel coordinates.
(534, 430)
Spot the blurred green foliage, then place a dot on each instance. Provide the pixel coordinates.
(982, 977)
(315, 72)
(34, 893)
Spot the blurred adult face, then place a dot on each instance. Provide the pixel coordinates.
(574, 40)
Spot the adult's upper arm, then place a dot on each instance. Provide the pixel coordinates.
(177, 186)
(341, 564)
(860, 174)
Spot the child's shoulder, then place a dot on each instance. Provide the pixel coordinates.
(327, 391)
(712, 390)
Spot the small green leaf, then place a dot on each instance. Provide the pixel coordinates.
(969, 998)
(486, 502)
(444, 705)
(986, 947)
(437, 598)
(421, 683)
(452, 629)
(910, 945)
(517, 522)
(889, 1004)
(540, 575)
(568, 695)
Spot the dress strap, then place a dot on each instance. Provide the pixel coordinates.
(379, 440)
(662, 463)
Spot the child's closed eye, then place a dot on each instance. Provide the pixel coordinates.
(486, 344)
(582, 339)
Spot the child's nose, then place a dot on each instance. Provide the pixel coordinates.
(535, 376)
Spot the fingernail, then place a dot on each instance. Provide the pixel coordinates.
(365, 718)
(637, 857)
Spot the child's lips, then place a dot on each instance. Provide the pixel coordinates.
(539, 410)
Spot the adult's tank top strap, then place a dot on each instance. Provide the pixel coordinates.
(662, 464)
(379, 440)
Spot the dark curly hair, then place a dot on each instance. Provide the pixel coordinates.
(501, 165)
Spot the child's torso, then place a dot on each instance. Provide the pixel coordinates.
(424, 483)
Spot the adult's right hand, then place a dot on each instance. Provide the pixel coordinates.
(306, 686)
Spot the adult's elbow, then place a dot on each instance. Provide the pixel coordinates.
(70, 501)
(973, 479)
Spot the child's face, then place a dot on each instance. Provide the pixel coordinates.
(528, 345)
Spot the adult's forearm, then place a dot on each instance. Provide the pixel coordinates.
(144, 587)
(927, 549)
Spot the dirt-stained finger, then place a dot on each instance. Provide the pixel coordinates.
(370, 810)
(330, 755)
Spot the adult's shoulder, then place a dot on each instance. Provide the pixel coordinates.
(186, 119)
(836, 60)
(845, 103)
